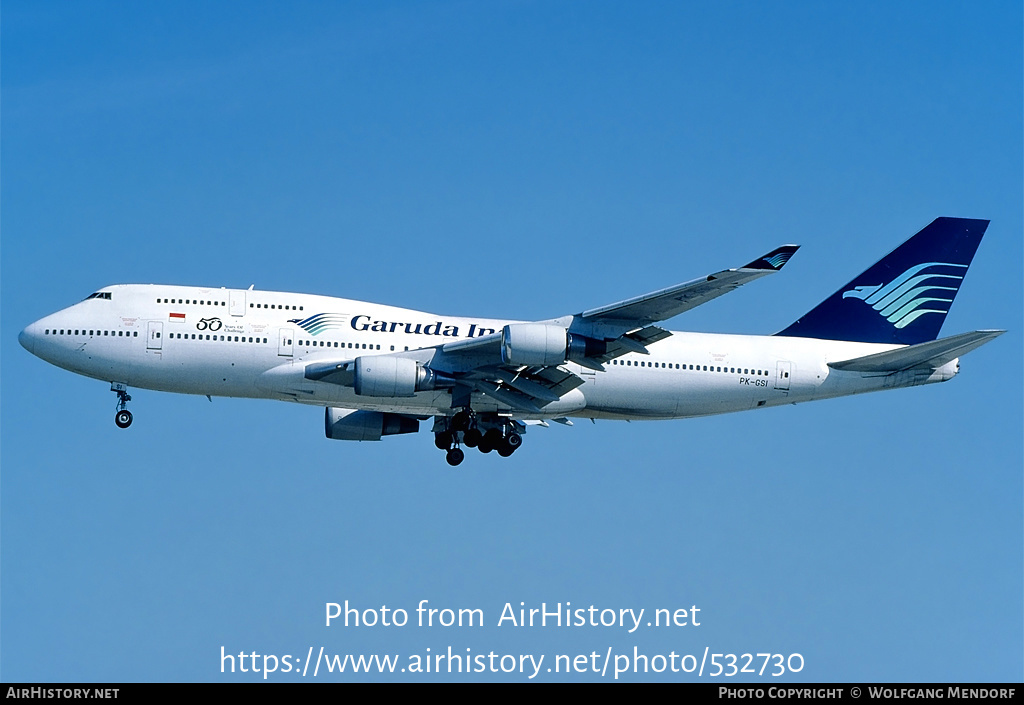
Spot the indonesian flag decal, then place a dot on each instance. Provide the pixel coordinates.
(176, 317)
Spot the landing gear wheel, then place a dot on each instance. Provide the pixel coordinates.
(471, 438)
(491, 440)
(513, 440)
(455, 456)
(443, 440)
(123, 418)
(505, 450)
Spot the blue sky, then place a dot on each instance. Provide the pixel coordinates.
(525, 160)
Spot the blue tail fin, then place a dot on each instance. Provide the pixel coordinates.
(905, 296)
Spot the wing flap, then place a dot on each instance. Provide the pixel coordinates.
(542, 385)
(510, 397)
(522, 383)
(558, 380)
(636, 341)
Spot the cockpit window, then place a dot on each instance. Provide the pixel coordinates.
(98, 295)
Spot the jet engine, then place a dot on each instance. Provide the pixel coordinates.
(544, 344)
(389, 376)
(533, 344)
(352, 425)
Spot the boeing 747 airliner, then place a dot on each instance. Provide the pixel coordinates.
(380, 370)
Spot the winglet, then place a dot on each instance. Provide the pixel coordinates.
(775, 259)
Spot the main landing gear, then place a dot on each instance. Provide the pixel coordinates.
(448, 441)
(454, 456)
(123, 417)
(483, 433)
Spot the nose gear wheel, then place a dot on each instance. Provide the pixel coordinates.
(123, 417)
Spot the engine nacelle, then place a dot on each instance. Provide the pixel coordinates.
(385, 376)
(352, 425)
(389, 376)
(534, 344)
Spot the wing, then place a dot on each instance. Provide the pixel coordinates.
(524, 366)
(666, 303)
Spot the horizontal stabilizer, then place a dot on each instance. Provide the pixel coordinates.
(934, 354)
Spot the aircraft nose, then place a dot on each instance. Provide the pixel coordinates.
(27, 340)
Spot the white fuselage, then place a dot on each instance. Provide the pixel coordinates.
(237, 343)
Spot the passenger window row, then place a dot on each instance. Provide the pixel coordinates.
(278, 306)
(199, 336)
(197, 302)
(696, 368)
(225, 338)
(97, 333)
(329, 344)
(204, 302)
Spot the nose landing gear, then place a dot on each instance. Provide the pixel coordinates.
(123, 417)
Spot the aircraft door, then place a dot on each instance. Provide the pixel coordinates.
(155, 336)
(236, 302)
(782, 375)
(285, 344)
(587, 375)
